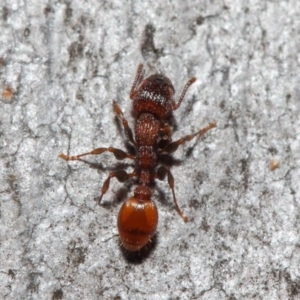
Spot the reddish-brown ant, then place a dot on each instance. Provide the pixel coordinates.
(153, 103)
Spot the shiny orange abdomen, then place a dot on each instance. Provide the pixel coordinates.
(137, 222)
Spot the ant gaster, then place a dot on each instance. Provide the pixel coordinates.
(153, 103)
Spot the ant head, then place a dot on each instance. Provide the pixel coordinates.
(137, 220)
(155, 95)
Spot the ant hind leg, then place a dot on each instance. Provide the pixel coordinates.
(160, 174)
(121, 175)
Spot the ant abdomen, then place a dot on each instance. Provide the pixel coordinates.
(137, 220)
(137, 223)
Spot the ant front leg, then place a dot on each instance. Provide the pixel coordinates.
(166, 130)
(118, 153)
(172, 147)
(121, 175)
(127, 129)
(161, 174)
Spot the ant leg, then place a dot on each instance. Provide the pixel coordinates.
(172, 147)
(136, 82)
(121, 175)
(188, 84)
(166, 130)
(160, 174)
(127, 129)
(118, 153)
(166, 134)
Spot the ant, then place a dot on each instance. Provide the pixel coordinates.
(153, 103)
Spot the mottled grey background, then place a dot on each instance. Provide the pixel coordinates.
(64, 63)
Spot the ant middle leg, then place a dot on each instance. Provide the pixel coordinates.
(172, 147)
(160, 174)
(121, 175)
(118, 153)
(127, 129)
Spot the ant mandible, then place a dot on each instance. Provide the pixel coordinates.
(153, 103)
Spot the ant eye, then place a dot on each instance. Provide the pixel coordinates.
(159, 79)
(153, 104)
